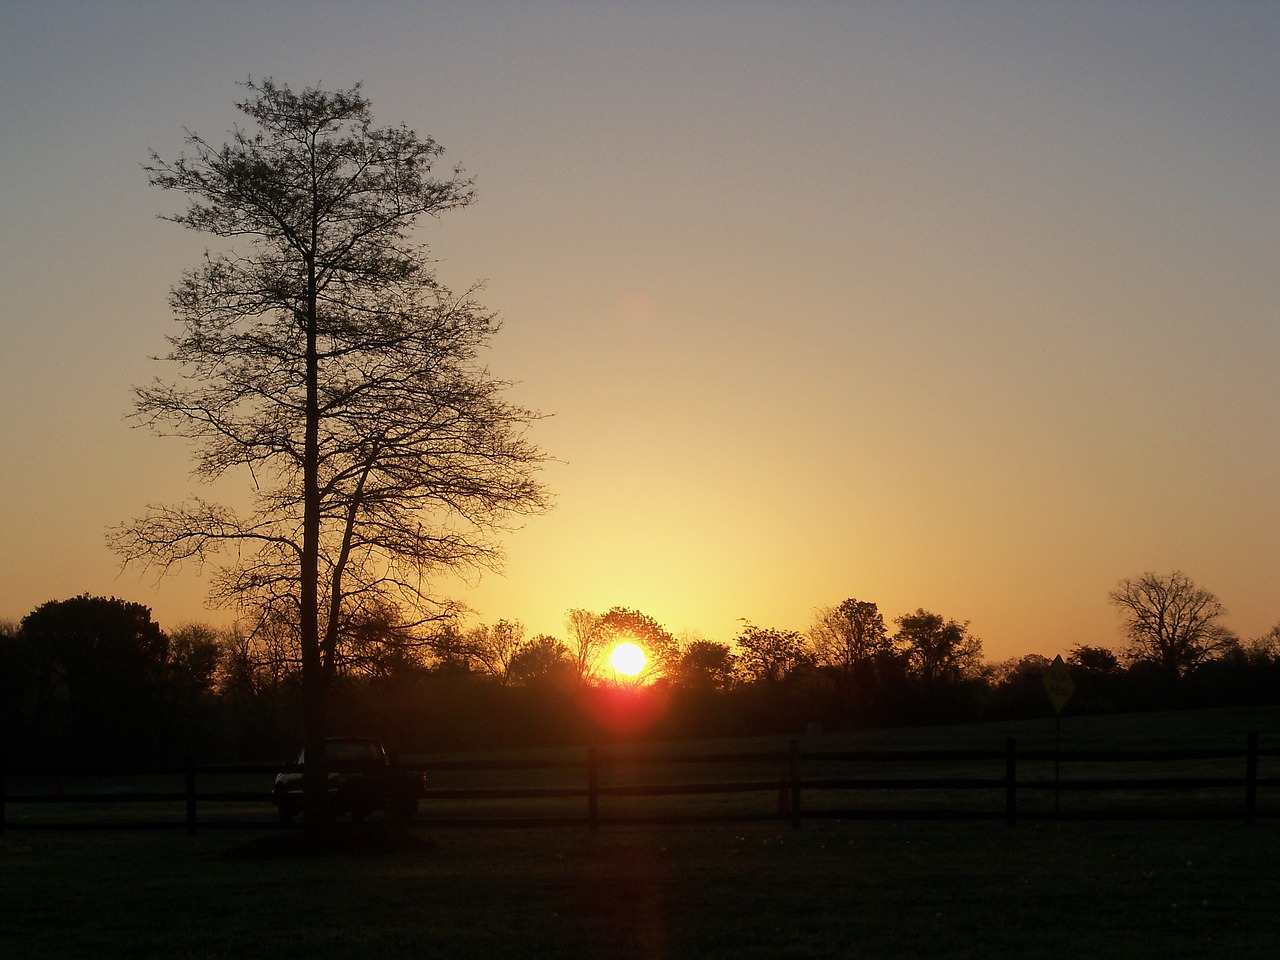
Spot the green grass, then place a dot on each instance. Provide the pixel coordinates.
(743, 892)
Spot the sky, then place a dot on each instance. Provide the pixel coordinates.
(971, 307)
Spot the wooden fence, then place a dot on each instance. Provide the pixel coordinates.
(603, 787)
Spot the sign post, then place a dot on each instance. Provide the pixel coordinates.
(1060, 688)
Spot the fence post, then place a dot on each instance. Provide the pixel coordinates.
(794, 775)
(1010, 783)
(191, 797)
(593, 789)
(1251, 780)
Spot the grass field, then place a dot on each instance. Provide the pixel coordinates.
(833, 889)
(113, 798)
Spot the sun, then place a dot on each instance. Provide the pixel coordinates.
(628, 659)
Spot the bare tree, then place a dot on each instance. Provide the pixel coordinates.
(1170, 621)
(321, 357)
(849, 635)
(449, 651)
(1266, 647)
(492, 648)
(586, 642)
(376, 642)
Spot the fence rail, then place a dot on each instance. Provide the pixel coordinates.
(610, 787)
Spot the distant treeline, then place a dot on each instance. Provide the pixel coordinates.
(95, 679)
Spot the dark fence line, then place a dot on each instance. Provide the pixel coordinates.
(794, 790)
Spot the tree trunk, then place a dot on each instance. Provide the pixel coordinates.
(314, 688)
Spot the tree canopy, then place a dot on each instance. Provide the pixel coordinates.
(1170, 621)
(849, 635)
(771, 655)
(96, 679)
(621, 624)
(937, 649)
(97, 675)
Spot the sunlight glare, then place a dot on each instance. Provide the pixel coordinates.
(627, 659)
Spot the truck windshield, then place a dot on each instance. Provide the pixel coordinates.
(349, 751)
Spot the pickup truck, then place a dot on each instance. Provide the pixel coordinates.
(362, 778)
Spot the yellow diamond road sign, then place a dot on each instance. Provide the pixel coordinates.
(1058, 683)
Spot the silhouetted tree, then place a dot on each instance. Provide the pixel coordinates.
(493, 647)
(541, 659)
(1240, 674)
(17, 677)
(256, 683)
(770, 655)
(192, 668)
(705, 665)
(850, 640)
(321, 355)
(380, 639)
(1100, 680)
(449, 651)
(937, 650)
(1171, 622)
(1266, 645)
(620, 624)
(1016, 686)
(586, 642)
(98, 682)
(849, 635)
(195, 656)
(1093, 659)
